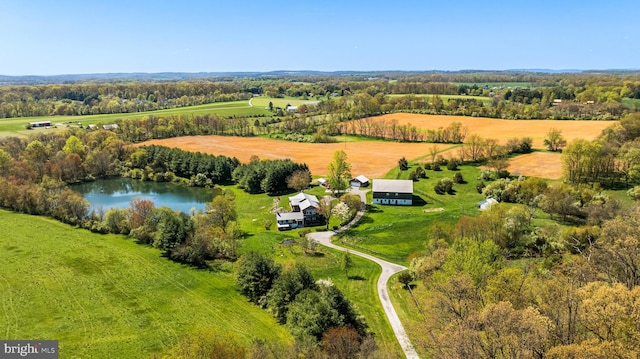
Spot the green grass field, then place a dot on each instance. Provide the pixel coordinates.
(632, 104)
(263, 102)
(447, 97)
(13, 126)
(105, 296)
(495, 84)
(396, 232)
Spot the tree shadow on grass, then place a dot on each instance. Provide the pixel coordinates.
(356, 277)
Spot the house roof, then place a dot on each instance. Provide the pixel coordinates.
(399, 186)
(361, 179)
(304, 201)
(290, 216)
(322, 180)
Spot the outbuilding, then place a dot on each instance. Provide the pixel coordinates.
(487, 203)
(394, 192)
(360, 181)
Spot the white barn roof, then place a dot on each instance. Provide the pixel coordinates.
(304, 201)
(386, 185)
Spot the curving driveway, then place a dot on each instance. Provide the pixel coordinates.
(388, 269)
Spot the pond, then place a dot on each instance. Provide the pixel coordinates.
(118, 192)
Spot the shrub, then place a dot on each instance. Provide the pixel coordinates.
(436, 167)
(445, 185)
(480, 186)
(403, 164)
(452, 164)
(427, 166)
(457, 178)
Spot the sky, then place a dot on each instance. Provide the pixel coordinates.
(44, 37)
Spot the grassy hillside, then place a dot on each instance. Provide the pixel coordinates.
(105, 296)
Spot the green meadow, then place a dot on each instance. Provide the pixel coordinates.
(446, 97)
(106, 296)
(263, 102)
(13, 126)
(396, 232)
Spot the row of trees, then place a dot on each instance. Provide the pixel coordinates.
(308, 307)
(271, 176)
(391, 130)
(612, 159)
(163, 164)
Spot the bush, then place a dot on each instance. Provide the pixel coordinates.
(436, 167)
(480, 186)
(427, 166)
(445, 185)
(457, 178)
(452, 165)
(403, 164)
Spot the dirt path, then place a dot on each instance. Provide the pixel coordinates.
(388, 270)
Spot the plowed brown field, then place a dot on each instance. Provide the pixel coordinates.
(372, 159)
(504, 129)
(537, 164)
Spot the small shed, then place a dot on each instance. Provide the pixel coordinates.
(322, 182)
(360, 181)
(487, 203)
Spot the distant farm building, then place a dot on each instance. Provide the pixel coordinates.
(322, 182)
(394, 192)
(486, 204)
(360, 181)
(40, 124)
(292, 108)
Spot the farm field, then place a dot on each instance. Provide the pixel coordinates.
(262, 101)
(495, 84)
(504, 129)
(16, 126)
(537, 164)
(373, 158)
(106, 296)
(446, 97)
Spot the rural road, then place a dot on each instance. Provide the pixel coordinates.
(388, 269)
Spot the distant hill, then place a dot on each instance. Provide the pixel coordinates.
(221, 76)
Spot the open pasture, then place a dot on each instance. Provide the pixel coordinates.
(373, 158)
(503, 129)
(16, 126)
(446, 97)
(106, 296)
(263, 102)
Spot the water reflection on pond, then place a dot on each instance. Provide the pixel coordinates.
(118, 192)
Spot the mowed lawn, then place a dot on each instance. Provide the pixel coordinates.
(105, 296)
(13, 126)
(503, 130)
(396, 232)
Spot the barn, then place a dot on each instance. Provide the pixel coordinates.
(394, 192)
